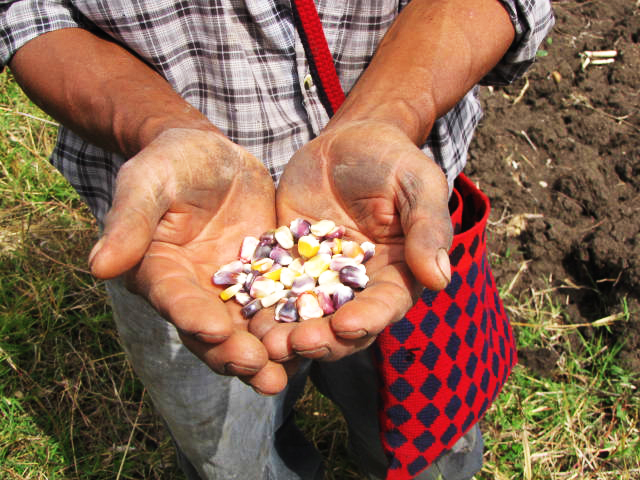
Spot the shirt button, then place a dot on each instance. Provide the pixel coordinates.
(308, 82)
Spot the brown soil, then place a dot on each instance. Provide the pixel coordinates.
(558, 153)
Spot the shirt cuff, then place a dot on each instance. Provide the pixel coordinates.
(24, 20)
(532, 21)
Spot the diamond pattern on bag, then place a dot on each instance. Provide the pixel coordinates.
(401, 389)
(430, 387)
(398, 414)
(453, 315)
(402, 329)
(453, 346)
(428, 415)
(454, 285)
(401, 360)
(429, 323)
(430, 356)
(456, 254)
(424, 441)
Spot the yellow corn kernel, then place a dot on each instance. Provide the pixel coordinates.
(317, 264)
(230, 292)
(273, 274)
(308, 246)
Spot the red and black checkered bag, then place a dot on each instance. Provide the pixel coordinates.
(446, 360)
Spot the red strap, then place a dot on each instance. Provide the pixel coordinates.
(319, 56)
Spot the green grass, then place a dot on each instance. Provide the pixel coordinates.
(71, 408)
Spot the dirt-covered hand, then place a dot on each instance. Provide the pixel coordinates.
(181, 208)
(371, 178)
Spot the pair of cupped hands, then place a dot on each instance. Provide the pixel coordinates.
(184, 203)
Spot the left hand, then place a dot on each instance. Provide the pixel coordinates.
(371, 178)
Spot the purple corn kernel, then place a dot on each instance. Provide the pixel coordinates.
(303, 283)
(341, 295)
(353, 277)
(299, 228)
(226, 277)
(369, 250)
(251, 308)
(262, 251)
(326, 304)
(251, 276)
(268, 238)
(286, 310)
(280, 255)
(337, 232)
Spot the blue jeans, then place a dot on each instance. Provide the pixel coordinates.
(224, 430)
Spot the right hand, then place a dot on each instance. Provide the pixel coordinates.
(181, 208)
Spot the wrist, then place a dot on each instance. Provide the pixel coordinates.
(413, 117)
(130, 141)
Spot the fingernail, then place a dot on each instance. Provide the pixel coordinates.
(231, 368)
(313, 353)
(353, 334)
(286, 358)
(208, 338)
(261, 393)
(96, 248)
(442, 259)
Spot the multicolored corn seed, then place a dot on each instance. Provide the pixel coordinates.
(318, 264)
(247, 249)
(342, 295)
(299, 228)
(230, 292)
(262, 251)
(325, 302)
(304, 271)
(273, 298)
(353, 277)
(303, 283)
(322, 228)
(308, 246)
(287, 276)
(251, 308)
(369, 250)
(308, 306)
(227, 277)
(286, 310)
(281, 255)
(284, 237)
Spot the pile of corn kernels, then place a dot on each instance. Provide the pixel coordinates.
(306, 270)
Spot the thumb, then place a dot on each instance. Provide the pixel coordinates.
(130, 224)
(429, 233)
(426, 251)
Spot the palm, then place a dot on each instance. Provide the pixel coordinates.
(181, 209)
(372, 180)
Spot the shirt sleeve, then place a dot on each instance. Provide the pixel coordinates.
(532, 21)
(24, 20)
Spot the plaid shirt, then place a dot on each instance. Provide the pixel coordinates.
(243, 65)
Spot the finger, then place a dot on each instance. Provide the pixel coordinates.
(385, 301)
(131, 222)
(241, 354)
(315, 339)
(262, 322)
(173, 290)
(276, 341)
(270, 380)
(424, 214)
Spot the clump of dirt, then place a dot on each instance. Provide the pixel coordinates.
(558, 153)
